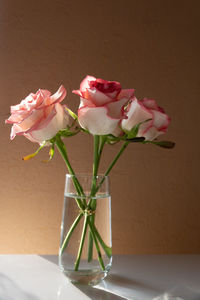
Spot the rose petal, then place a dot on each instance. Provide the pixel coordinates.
(14, 131)
(85, 84)
(98, 91)
(39, 112)
(151, 104)
(17, 117)
(22, 106)
(55, 98)
(160, 120)
(48, 114)
(96, 120)
(30, 138)
(110, 88)
(151, 134)
(113, 95)
(118, 131)
(33, 119)
(96, 97)
(32, 101)
(126, 93)
(51, 126)
(77, 92)
(85, 102)
(59, 95)
(136, 114)
(42, 95)
(115, 109)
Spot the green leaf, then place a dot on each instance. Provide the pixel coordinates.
(137, 139)
(84, 130)
(163, 144)
(71, 113)
(134, 131)
(67, 132)
(111, 139)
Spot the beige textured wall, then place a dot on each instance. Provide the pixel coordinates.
(152, 46)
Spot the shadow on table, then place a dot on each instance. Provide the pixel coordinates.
(9, 290)
(98, 294)
(91, 292)
(117, 287)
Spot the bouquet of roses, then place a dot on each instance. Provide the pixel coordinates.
(107, 112)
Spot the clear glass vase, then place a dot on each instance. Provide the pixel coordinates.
(85, 254)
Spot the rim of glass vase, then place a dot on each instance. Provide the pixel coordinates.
(87, 180)
(90, 175)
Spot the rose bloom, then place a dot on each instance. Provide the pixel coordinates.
(139, 111)
(102, 105)
(39, 116)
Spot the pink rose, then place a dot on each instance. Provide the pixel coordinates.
(102, 105)
(39, 116)
(139, 111)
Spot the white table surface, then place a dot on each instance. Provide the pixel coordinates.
(138, 277)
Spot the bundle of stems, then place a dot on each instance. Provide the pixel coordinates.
(87, 208)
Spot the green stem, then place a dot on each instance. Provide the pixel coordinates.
(117, 157)
(62, 149)
(97, 245)
(92, 202)
(66, 241)
(102, 143)
(94, 235)
(99, 142)
(81, 243)
(82, 205)
(95, 162)
(113, 163)
(107, 249)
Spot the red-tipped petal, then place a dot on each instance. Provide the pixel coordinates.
(85, 84)
(126, 93)
(151, 134)
(160, 120)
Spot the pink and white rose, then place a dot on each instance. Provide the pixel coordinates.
(139, 111)
(39, 116)
(102, 105)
